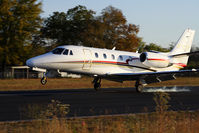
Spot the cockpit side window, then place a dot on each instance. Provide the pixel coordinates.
(121, 58)
(71, 52)
(58, 50)
(65, 52)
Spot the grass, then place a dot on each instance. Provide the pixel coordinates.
(172, 122)
(68, 83)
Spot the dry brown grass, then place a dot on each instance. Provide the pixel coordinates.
(174, 122)
(68, 83)
(62, 83)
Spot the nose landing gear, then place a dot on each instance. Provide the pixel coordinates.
(43, 80)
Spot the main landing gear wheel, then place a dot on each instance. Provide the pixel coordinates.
(43, 80)
(139, 87)
(97, 83)
(97, 86)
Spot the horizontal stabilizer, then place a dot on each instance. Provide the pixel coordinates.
(184, 54)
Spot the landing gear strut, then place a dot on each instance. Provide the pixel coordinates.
(139, 86)
(97, 83)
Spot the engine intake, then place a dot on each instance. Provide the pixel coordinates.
(143, 57)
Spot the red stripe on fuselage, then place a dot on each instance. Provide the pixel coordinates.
(157, 59)
(111, 62)
(87, 61)
(181, 64)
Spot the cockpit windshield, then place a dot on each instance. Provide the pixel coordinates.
(58, 50)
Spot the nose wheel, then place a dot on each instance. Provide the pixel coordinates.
(43, 80)
(97, 83)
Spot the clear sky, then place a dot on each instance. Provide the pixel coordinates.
(160, 21)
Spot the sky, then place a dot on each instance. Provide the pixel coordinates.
(161, 21)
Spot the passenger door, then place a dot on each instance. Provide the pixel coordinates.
(87, 59)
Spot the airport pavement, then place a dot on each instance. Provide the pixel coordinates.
(87, 102)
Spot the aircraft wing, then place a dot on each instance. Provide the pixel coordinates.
(149, 77)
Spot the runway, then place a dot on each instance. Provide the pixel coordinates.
(88, 102)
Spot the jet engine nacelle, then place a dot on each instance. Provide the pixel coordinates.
(155, 60)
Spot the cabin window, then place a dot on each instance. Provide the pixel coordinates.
(58, 50)
(113, 57)
(121, 58)
(96, 55)
(71, 52)
(105, 56)
(65, 52)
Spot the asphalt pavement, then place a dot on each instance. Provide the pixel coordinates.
(88, 102)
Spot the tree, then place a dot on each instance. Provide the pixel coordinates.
(152, 46)
(117, 32)
(66, 28)
(19, 21)
(94, 35)
(79, 26)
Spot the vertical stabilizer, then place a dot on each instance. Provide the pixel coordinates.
(183, 45)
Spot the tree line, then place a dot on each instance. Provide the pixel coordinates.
(24, 33)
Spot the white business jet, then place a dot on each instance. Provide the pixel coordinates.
(115, 65)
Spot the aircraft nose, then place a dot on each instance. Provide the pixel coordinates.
(30, 63)
(38, 61)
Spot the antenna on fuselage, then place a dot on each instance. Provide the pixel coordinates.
(113, 48)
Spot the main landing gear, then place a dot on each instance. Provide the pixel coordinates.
(139, 86)
(97, 83)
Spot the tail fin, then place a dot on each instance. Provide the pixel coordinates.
(183, 45)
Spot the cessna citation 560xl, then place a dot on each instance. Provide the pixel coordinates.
(119, 66)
